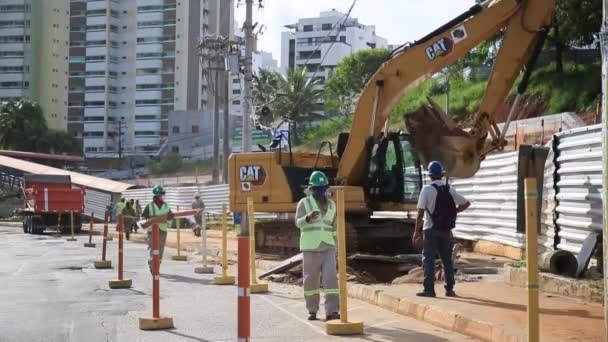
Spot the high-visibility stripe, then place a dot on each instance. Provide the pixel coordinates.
(155, 252)
(317, 228)
(332, 291)
(243, 292)
(312, 292)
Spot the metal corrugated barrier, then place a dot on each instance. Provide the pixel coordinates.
(579, 185)
(96, 202)
(493, 196)
(213, 196)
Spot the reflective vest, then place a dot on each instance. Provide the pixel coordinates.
(320, 230)
(153, 210)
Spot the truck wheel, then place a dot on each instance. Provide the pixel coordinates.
(28, 221)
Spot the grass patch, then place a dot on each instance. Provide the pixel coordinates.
(518, 264)
(597, 286)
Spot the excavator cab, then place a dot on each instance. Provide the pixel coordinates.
(393, 170)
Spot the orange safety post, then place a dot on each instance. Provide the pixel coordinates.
(244, 300)
(155, 322)
(90, 243)
(120, 283)
(103, 263)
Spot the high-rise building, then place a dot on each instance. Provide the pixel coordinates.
(131, 64)
(34, 55)
(320, 43)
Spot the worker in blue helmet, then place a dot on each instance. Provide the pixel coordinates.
(438, 206)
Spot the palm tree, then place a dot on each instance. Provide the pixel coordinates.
(22, 124)
(265, 92)
(299, 99)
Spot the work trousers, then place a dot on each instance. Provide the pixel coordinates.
(436, 242)
(162, 239)
(319, 266)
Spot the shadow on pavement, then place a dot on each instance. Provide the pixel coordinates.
(188, 280)
(194, 338)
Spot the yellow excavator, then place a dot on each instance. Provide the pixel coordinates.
(380, 170)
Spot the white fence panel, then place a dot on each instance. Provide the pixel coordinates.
(96, 202)
(579, 186)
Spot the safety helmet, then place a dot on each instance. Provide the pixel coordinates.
(158, 190)
(318, 178)
(436, 169)
(197, 195)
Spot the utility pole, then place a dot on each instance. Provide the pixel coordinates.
(215, 176)
(226, 126)
(247, 94)
(604, 47)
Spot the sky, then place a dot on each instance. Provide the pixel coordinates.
(399, 21)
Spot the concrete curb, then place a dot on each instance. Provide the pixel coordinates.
(551, 283)
(432, 314)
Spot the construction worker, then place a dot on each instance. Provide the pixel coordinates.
(438, 206)
(128, 217)
(200, 205)
(118, 209)
(316, 218)
(157, 207)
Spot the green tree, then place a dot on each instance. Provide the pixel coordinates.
(299, 100)
(349, 78)
(265, 92)
(22, 124)
(23, 128)
(577, 23)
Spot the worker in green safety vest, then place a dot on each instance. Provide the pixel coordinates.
(316, 219)
(157, 207)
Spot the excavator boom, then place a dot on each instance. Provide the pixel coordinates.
(434, 135)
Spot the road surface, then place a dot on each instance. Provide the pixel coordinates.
(51, 292)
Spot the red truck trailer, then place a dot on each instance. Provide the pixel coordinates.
(47, 197)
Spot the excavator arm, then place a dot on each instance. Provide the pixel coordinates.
(434, 135)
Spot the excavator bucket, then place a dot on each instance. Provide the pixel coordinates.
(435, 136)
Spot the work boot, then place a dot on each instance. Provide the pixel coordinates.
(312, 316)
(450, 293)
(425, 294)
(332, 316)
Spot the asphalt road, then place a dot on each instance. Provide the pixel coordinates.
(51, 292)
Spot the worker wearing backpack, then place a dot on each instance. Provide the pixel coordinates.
(438, 206)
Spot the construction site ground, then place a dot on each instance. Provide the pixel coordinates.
(486, 307)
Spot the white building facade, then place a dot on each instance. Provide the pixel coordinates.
(320, 43)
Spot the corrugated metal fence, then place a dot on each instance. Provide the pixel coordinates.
(578, 181)
(493, 196)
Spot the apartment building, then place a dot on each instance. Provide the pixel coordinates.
(320, 43)
(131, 64)
(34, 55)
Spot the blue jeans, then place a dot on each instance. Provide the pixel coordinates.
(436, 242)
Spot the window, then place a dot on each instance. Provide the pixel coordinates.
(95, 58)
(13, 23)
(92, 134)
(149, 40)
(343, 39)
(326, 27)
(175, 149)
(12, 85)
(98, 88)
(14, 39)
(155, 23)
(146, 55)
(309, 54)
(11, 54)
(307, 28)
(155, 8)
(11, 69)
(236, 102)
(175, 129)
(13, 8)
(101, 27)
(94, 103)
(236, 91)
(194, 129)
(145, 117)
(96, 12)
(236, 80)
(93, 118)
(145, 133)
(372, 45)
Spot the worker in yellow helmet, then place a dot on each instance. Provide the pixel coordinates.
(199, 205)
(316, 218)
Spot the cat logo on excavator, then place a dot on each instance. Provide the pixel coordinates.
(253, 174)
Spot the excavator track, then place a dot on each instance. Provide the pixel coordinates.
(282, 237)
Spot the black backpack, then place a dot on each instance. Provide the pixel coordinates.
(444, 216)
